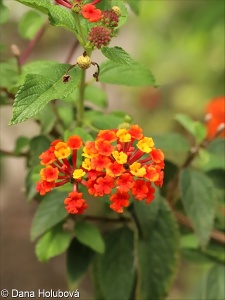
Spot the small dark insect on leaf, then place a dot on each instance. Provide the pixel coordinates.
(66, 78)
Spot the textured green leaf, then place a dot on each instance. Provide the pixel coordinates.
(111, 72)
(115, 272)
(78, 260)
(90, 236)
(50, 212)
(54, 242)
(38, 144)
(197, 129)
(21, 143)
(39, 89)
(118, 55)
(59, 16)
(29, 24)
(41, 5)
(157, 254)
(35, 67)
(198, 198)
(4, 13)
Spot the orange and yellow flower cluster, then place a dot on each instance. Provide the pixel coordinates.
(120, 163)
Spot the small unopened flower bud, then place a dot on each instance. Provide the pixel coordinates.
(99, 36)
(124, 125)
(128, 119)
(84, 62)
(110, 18)
(15, 50)
(76, 8)
(117, 10)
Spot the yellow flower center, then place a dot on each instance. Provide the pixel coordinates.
(120, 157)
(78, 173)
(146, 144)
(62, 150)
(137, 170)
(123, 135)
(86, 164)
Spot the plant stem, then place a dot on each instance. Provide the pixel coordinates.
(83, 42)
(8, 153)
(80, 104)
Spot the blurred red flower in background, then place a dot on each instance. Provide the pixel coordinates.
(215, 117)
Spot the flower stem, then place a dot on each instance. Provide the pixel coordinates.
(80, 104)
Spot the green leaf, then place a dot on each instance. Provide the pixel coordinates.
(21, 143)
(50, 212)
(146, 215)
(189, 241)
(215, 288)
(47, 119)
(66, 114)
(54, 242)
(211, 286)
(4, 13)
(196, 256)
(174, 146)
(197, 129)
(157, 254)
(30, 183)
(41, 5)
(35, 67)
(96, 96)
(39, 89)
(107, 122)
(198, 199)
(134, 5)
(38, 144)
(59, 16)
(8, 74)
(118, 55)
(78, 131)
(111, 72)
(29, 24)
(78, 260)
(217, 176)
(217, 147)
(115, 268)
(90, 236)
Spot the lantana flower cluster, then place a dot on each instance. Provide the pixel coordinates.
(120, 163)
(106, 21)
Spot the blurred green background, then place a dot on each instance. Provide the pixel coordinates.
(182, 43)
